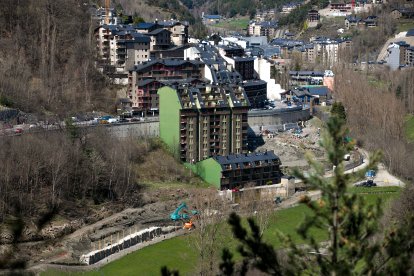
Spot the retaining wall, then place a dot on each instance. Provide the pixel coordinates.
(278, 116)
(130, 240)
(138, 129)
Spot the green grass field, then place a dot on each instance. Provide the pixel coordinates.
(405, 25)
(235, 24)
(409, 127)
(179, 253)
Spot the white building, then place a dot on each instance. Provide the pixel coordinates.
(263, 68)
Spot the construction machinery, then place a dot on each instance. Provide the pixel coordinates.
(182, 214)
(189, 225)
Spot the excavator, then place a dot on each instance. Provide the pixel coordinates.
(181, 213)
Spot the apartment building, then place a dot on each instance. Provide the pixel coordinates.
(409, 56)
(122, 46)
(221, 68)
(178, 30)
(160, 39)
(266, 15)
(288, 8)
(146, 78)
(236, 171)
(137, 49)
(313, 18)
(263, 28)
(201, 121)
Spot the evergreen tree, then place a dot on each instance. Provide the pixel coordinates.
(351, 224)
(338, 110)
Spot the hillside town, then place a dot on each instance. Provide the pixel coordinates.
(176, 138)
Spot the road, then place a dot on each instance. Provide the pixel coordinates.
(383, 177)
(26, 128)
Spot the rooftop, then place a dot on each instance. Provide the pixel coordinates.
(166, 62)
(239, 160)
(212, 16)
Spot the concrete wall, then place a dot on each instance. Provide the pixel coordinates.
(255, 118)
(277, 117)
(138, 129)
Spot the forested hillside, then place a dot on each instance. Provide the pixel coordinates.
(164, 10)
(47, 58)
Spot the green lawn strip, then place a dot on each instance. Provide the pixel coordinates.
(409, 127)
(180, 253)
(236, 23)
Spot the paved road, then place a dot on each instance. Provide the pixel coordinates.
(383, 177)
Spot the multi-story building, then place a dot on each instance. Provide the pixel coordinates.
(409, 56)
(201, 121)
(399, 54)
(145, 79)
(160, 39)
(122, 46)
(263, 28)
(328, 50)
(313, 18)
(138, 49)
(221, 69)
(103, 18)
(352, 21)
(266, 15)
(239, 170)
(179, 31)
(288, 8)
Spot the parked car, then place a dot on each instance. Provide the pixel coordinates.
(368, 183)
(18, 130)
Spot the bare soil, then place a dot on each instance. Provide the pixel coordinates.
(65, 241)
(291, 148)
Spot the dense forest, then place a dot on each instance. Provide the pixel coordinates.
(47, 58)
(57, 169)
(377, 104)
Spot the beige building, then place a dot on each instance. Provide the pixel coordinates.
(160, 39)
(179, 31)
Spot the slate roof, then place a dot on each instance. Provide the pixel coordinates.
(157, 31)
(268, 24)
(318, 90)
(212, 16)
(353, 19)
(166, 62)
(301, 92)
(238, 160)
(170, 23)
(243, 58)
(306, 73)
(145, 25)
(137, 37)
(410, 32)
(145, 82)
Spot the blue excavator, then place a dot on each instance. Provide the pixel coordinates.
(182, 213)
